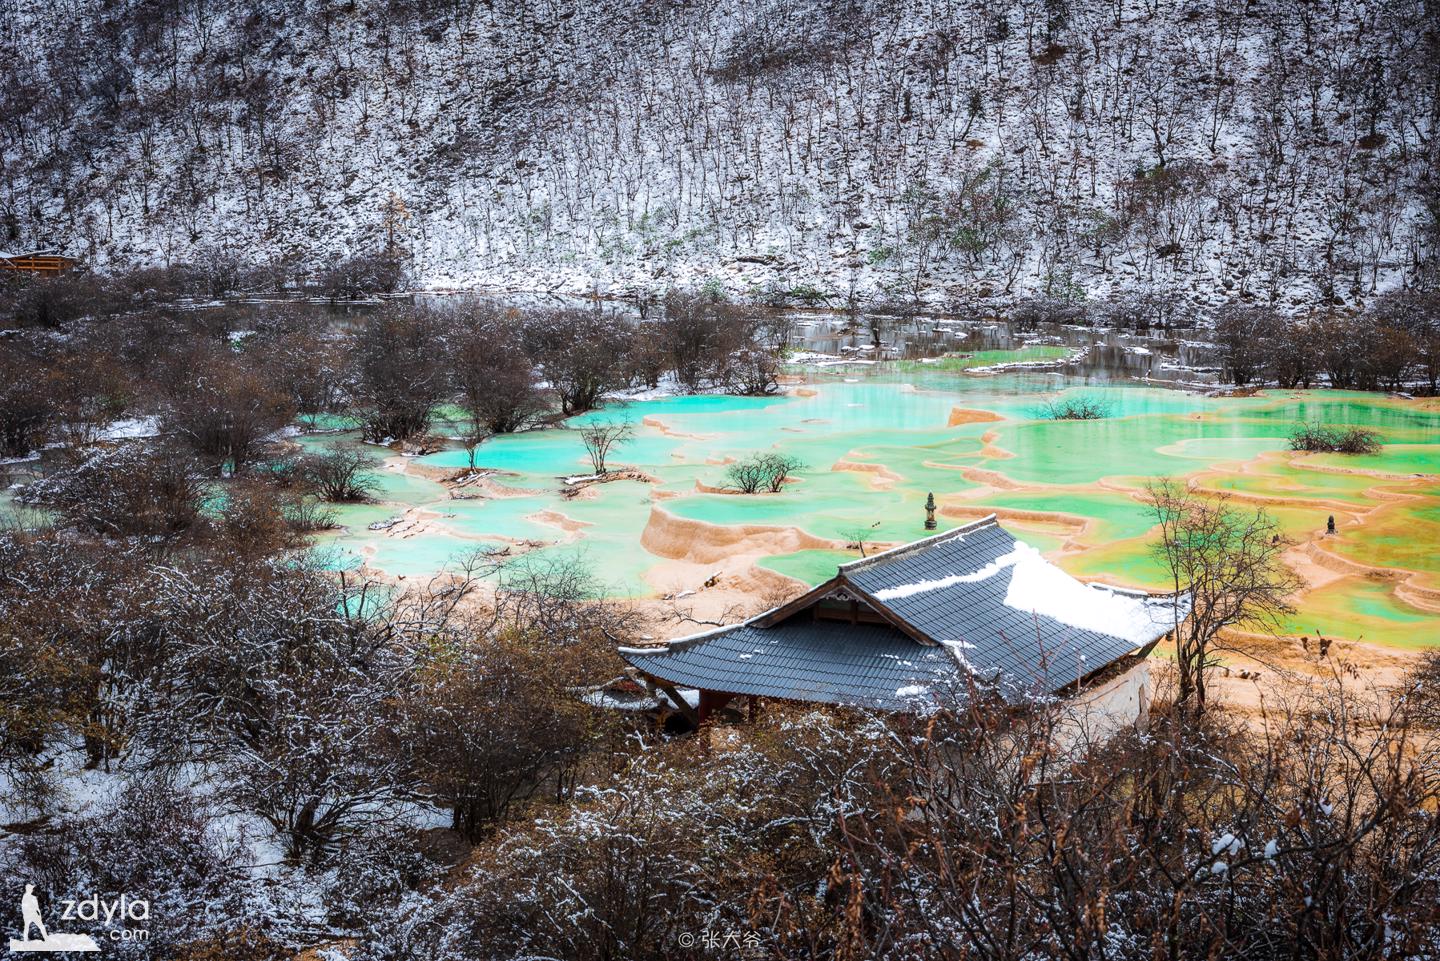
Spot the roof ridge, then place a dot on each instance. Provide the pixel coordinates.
(990, 520)
(1134, 591)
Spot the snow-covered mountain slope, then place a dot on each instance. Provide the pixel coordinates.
(957, 150)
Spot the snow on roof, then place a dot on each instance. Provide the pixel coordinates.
(1039, 587)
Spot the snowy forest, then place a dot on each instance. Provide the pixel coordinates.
(962, 153)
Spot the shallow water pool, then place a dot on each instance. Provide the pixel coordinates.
(874, 447)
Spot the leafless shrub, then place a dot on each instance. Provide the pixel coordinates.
(340, 474)
(134, 490)
(560, 599)
(765, 471)
(1339, 440)
(55, 301)
(92, 389)
(312, 659)
(746, 476)
(253, 519)
(1076, 408)
(1423, 683)
(363, 275)
(825, 834)
(1191, 837)
(307, 515)
(1030, 312)
(155, 834)
(1293, 355)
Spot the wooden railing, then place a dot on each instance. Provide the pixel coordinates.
(37, 263)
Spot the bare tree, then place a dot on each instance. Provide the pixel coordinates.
(1241, 331)
(582, 353)
(494, 373)
(751, 371)
(746, 476)
(310, 368)
(363, 275)
(225, 408)
(1228, 563)
(601, 437)
(779, 467)
(26, 407)
(340, 474)
(702, 336)
(398, 374)
(858, 537)
(765, 471)
(470, 440)
(1293, 354)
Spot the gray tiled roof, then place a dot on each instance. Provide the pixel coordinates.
(1030, 649)
(953, 589)
(868, 665)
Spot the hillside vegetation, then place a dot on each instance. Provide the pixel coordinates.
(956, 152)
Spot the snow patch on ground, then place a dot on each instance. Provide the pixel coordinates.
(132, 428)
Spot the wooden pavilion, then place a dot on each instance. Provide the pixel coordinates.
(900, 630)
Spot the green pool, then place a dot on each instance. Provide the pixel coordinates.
(874, 446)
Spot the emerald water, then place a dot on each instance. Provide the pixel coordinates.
(875, 446)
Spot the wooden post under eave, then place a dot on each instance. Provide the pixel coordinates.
(712, 701)
(680, 703)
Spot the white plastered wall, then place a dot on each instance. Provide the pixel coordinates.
(1099, 712)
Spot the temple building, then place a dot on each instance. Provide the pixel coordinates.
(907, 628)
